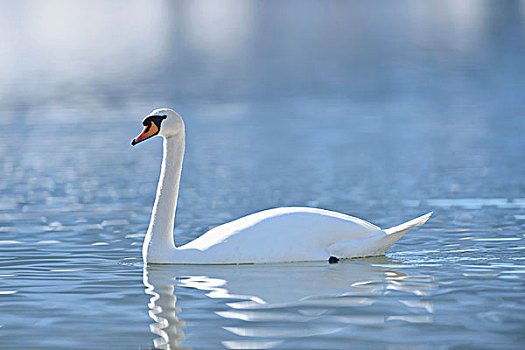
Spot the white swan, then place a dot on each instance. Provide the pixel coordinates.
(276, 235)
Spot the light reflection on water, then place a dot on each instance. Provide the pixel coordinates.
(266, 306)
(353, 304)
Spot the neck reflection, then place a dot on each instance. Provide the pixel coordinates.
(160, 284)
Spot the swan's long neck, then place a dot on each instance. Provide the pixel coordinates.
(158, 242)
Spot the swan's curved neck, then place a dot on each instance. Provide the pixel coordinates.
(159, 238)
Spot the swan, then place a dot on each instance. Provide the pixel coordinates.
(287, 234)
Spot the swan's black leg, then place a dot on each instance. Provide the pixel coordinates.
(333, 260)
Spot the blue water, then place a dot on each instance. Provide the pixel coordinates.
(382, 111)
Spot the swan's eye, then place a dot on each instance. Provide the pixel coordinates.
(157, 119)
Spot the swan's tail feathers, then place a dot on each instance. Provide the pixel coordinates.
(407, 226)
(374, 245)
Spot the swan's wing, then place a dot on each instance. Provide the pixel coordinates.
(287, 225)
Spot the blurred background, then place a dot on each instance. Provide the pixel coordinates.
(383, 110)
(400, 87)
(323, 100)
(63, 54)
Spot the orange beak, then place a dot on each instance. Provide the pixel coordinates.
(149, 131)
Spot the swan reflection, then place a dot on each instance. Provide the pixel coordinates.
(264, 306)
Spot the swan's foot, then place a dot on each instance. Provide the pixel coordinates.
(333, 260)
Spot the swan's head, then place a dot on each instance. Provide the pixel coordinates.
(163, 121)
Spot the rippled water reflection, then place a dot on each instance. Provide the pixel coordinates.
(381, 111)
(363, 303)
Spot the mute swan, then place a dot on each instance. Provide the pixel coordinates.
(285, 234)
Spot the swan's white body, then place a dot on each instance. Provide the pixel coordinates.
(276, 235)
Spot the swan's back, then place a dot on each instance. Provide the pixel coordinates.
(281, 234)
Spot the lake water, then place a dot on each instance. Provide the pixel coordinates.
(380, 112)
